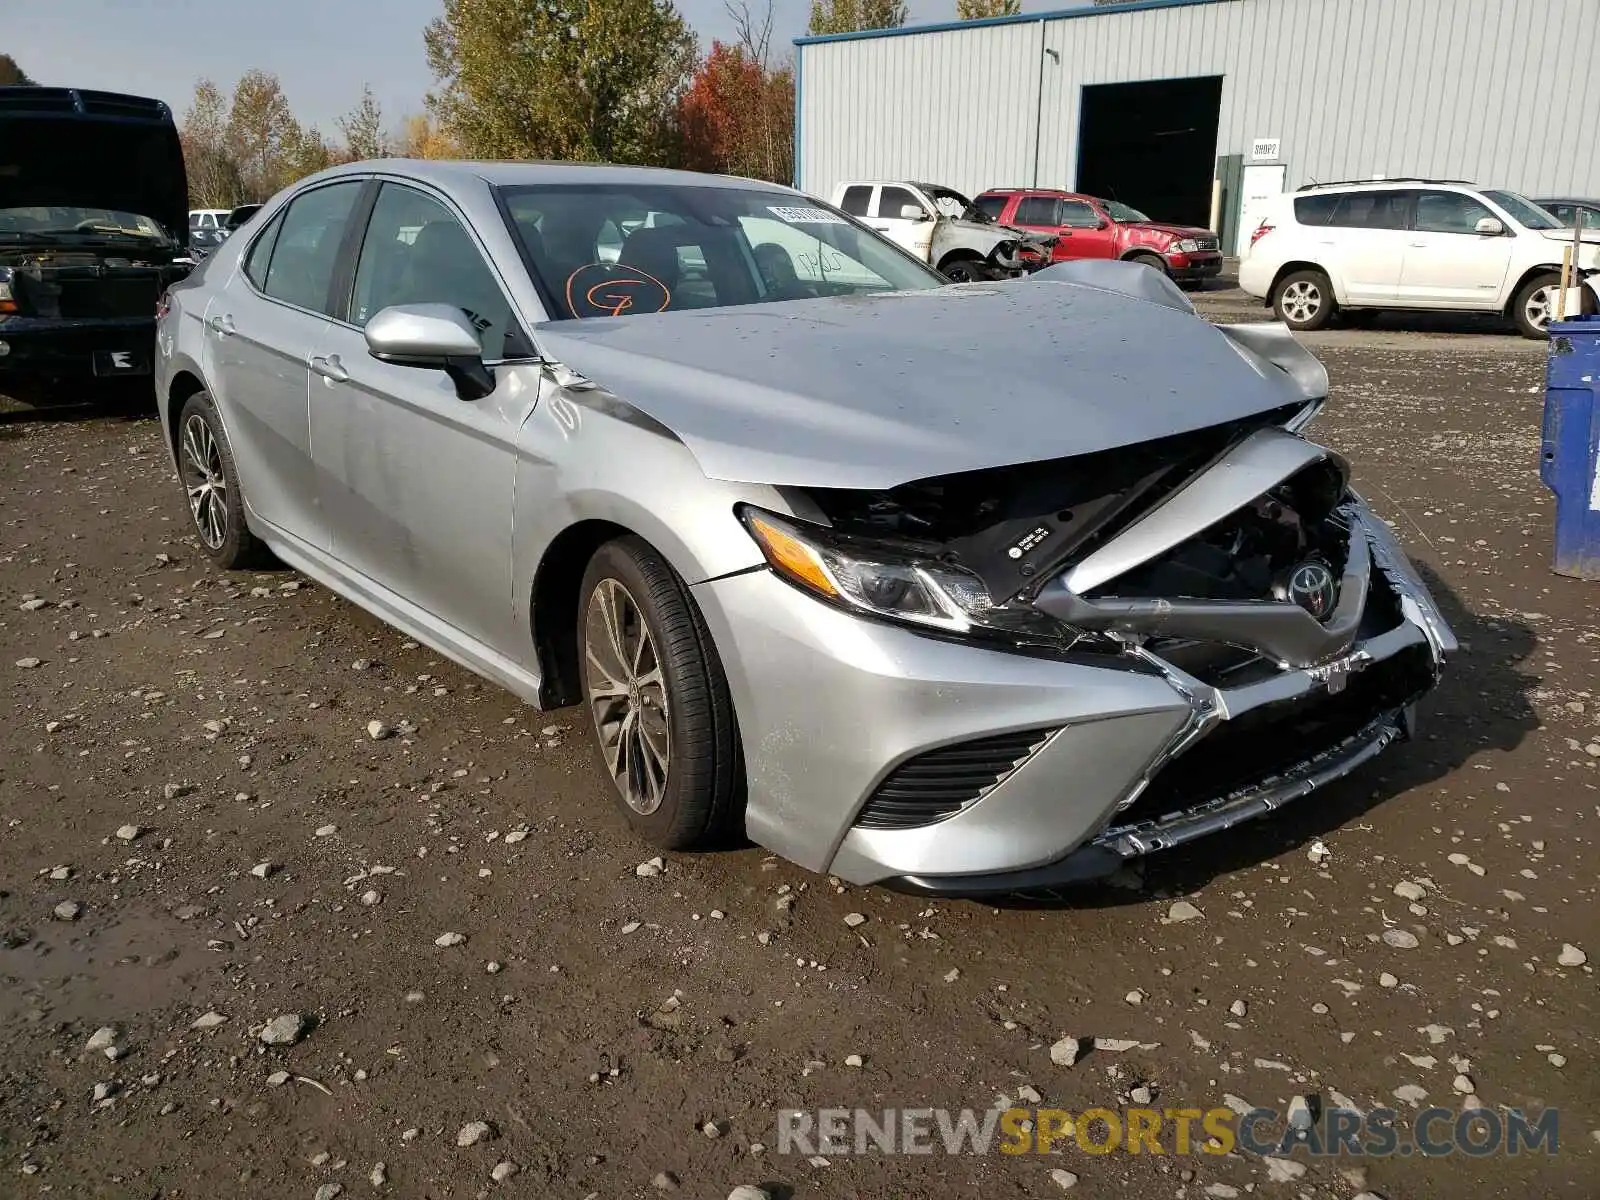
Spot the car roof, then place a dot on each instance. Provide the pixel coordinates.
(1366, 185)
(1590, 200)
(446, 172)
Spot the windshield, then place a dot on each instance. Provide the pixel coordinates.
(1525, 211)
(56, 221)
(953, 204)
(612, 250)
(1122, 214)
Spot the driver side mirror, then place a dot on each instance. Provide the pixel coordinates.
(434, 337)
(1489, 226)
(913, 212)
(1101, 223)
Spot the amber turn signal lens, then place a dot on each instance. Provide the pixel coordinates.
(792, 557)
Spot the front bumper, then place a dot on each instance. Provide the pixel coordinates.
(1190, 267)
(109, 346)
(832, 707)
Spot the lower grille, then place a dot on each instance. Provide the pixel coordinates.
(933, 786)
(1256, 747)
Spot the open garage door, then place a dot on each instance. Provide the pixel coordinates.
(1152, 145)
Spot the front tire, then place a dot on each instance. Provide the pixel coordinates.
(1154, 261)
(211, 485)
(1535, 304)
(965, 270)
(658, 699)
(1304, 300)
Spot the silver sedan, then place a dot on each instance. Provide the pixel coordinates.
(968, 588)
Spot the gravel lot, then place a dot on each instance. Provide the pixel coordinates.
(199, 835)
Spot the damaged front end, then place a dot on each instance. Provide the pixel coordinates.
(1233, 563)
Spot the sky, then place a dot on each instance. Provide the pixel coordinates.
(322, 50)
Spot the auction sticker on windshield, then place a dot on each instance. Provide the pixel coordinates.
(805, 216)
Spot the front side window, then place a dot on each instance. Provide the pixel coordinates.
(992, 206)
(417, 252)
(1079, 214)
(694, 247)
(1037, 210)
(892, 199)
(306, 248)
(1448, 212)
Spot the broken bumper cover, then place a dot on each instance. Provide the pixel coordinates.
(1048, 771)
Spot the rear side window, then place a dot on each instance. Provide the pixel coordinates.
(892, 199)
(991, 206)
(256, 262)
(1372, 210)
(1037, 210)
(856, 200)
(1315, 210)
(307, 246)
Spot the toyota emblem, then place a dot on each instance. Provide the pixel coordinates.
(1311, 586)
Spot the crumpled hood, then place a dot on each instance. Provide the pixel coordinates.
(1177, 231)
(875, 391)
(63, 146)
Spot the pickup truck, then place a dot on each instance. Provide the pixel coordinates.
(1089, 227)
(944, 229)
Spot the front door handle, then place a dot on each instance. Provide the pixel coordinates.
(223, 325)
(330, 368)
(1419, 245)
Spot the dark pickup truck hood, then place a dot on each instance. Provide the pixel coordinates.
(875, 391)
(63, 146)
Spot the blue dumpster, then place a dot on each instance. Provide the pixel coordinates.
(1570, 461)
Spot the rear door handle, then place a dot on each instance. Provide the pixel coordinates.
(330, 368)
(222, 326)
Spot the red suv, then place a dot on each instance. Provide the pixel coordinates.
(1088, 227)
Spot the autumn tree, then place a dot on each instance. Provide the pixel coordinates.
(848, 16)
(11, 75)
(362, 128)
(978, 10)
(262, 134)
(421, 137)
(738, 117)
(214, 177)
(568, 79)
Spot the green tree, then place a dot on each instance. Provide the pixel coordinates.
(978, 10)
(848, 16)
(362, 128)
(261, 133)
(305, 152)
(11, 75)
(566, 79)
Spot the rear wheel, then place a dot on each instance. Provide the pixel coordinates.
(1304, 300)
(658, 699)
(211, 485)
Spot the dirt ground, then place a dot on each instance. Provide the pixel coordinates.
(598, 1020)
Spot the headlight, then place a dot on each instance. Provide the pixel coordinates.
(893, 582)
(8, 302)
(1187, 246)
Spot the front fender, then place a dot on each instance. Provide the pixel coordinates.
(584, 456)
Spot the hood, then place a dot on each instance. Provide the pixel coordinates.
(1591, 237)
(876, 391)
(62, 146)
(1177, 231)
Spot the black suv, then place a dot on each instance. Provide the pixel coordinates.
(93, 213)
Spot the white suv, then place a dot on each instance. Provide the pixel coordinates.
(1412, 243)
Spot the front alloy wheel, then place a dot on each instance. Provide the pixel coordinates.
(627, 696)
(663, 719)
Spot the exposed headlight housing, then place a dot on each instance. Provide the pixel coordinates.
(894, 583)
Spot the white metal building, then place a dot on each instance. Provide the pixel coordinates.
(1148, 102)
